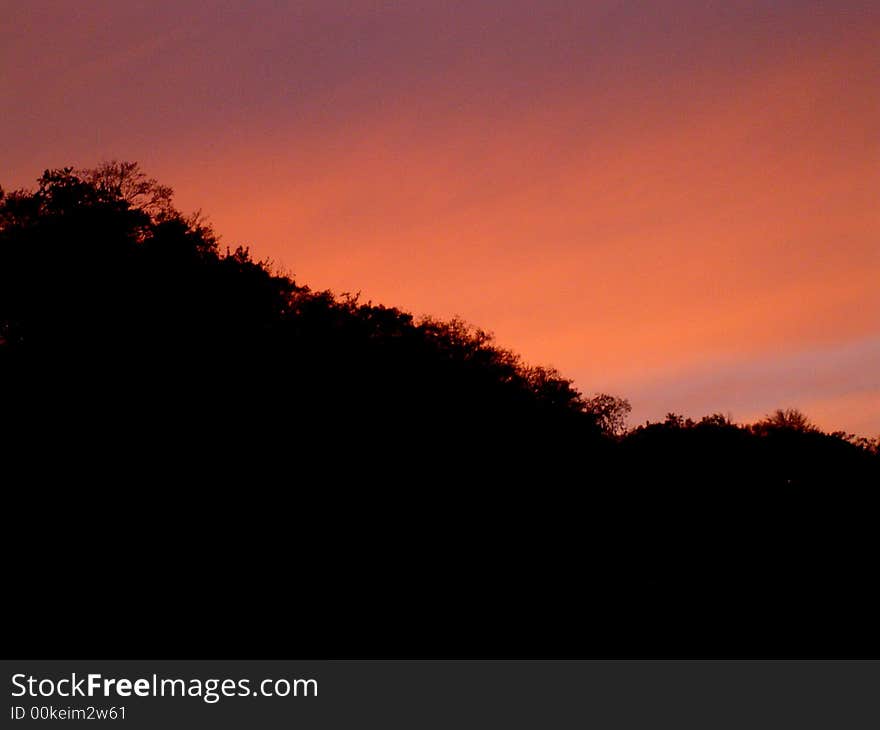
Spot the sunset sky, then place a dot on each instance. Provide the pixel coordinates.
(675, 201)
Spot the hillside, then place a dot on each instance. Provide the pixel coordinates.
(208, 434)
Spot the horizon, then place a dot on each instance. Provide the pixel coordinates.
(676, 206)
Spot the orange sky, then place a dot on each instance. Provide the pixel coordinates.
(676, 205)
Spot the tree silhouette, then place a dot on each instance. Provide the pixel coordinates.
(610, 412)
(789, 418)
(233, 438)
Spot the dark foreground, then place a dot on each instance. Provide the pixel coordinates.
(203, 459)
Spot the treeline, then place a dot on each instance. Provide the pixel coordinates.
(286, 453)
(106, 288)
(105, 285)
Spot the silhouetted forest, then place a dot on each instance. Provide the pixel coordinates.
(209, 457)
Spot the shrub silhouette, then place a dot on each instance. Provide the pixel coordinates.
(179, 398)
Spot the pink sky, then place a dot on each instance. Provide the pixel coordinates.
(674, 202)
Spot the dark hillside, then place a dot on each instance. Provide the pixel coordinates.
(208, 458)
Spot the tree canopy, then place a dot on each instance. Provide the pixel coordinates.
(227, 403)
